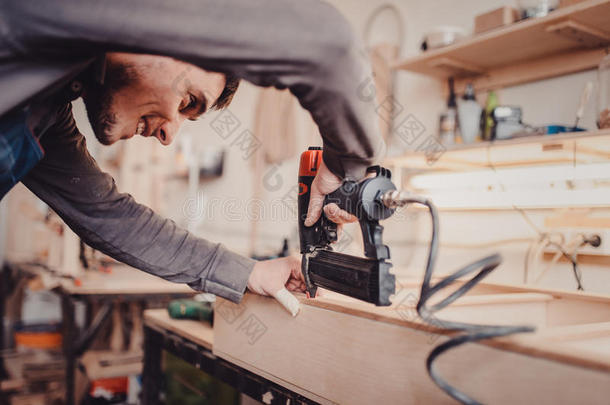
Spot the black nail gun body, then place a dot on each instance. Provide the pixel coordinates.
(366, 278)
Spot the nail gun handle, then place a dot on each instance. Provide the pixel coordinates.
(310, 162)
(346, 197)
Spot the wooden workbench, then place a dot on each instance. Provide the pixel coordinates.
(121, 284)
(198, 332)
(122, 280)
(192, 341)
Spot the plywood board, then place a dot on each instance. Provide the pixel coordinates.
(352, 353)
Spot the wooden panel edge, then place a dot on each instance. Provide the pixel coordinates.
(273, 378)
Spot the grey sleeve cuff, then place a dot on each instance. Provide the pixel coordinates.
(228, 277)
(347, 168)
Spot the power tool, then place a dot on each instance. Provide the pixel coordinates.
(366, 278)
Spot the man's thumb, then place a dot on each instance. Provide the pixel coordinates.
(316, 202)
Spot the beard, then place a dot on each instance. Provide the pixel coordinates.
(99, 99)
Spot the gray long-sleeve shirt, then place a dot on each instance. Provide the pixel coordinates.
(303, 45)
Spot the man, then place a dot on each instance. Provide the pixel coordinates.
(109, 52)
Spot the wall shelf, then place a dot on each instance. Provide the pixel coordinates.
(568, 40)
(577, 147)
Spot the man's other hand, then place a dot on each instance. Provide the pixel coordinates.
(324, 183)
(270, 276)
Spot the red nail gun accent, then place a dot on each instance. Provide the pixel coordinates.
(310, 161)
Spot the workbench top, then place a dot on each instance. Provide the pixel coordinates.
(198, 332)
(122, 279)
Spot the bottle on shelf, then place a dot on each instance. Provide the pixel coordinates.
(487, 121)
(448, 123)
(469, 115)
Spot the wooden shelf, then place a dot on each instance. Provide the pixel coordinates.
(576, 147)
(568, 40)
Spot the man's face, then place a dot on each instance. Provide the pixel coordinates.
(149, 95)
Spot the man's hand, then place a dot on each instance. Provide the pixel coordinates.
(270, 276)
(324, 183)
(275, 277)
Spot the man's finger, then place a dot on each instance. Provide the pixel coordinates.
(316, 202)
(295, 267)
(337, 215)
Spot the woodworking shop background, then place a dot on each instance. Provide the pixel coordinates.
(248, 207)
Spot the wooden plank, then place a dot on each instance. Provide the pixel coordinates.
(576, 219)
(12, 385)
(359, 360)
(196, 331)
(597, 260)
(575, 332)
(455, 67)
(568, 312)
(495, 299)
(567, 308)
(566, 295)
(587, 345)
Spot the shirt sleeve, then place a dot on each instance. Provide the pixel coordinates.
(69, 180)
(303, 45)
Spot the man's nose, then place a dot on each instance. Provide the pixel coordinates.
(167, 132)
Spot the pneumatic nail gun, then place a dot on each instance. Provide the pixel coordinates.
(370, 200)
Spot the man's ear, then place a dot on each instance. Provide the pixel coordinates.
(100, 69)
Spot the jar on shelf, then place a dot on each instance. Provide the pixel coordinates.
(536, 8)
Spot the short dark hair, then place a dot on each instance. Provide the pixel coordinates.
(231, 85)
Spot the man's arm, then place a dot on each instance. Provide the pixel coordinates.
(69, 180)
(303, 45)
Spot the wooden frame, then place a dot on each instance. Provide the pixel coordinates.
(340, 350)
